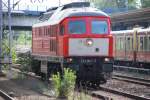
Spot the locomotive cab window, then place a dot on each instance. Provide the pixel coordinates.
(99, 27)
(62, 30)
(77, 27)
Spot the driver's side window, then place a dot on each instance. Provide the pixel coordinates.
(62, 30)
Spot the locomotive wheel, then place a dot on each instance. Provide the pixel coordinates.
(36, 66)
(43, 76)
(53, 68)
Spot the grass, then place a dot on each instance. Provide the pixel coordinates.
(79, 96)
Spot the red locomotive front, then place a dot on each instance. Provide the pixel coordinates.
(78, 38)
(86, 36)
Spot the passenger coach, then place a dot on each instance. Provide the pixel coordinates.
(132, 48)
(75, 36)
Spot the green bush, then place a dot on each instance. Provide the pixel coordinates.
(6, 51)
(64, 85)
(25, 61)
(14, 56)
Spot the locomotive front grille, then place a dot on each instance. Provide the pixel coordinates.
(88, 46)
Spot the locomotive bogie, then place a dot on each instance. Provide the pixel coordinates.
(89, 69)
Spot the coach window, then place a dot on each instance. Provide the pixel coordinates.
(131, 44)
(99, 27)
(149, 43)
(121, 43)
(128, 43)
(145, 43)
(118, 43)
(141, 44)
(77, 27)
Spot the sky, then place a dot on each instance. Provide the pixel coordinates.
(40, 5)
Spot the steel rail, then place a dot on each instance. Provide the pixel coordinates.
(132, 69)
(29, 75)
(14, 68)
(5, 95)
(25, 73)
(131, 80)
(99, 96)
(90, 91)
(101, 88)
(132, 96)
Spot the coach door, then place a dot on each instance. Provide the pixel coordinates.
(148, 48)
(140, 56)
(129, 47)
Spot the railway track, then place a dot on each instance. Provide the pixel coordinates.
(104, 93)
(5, 96)
(108, 93)
(25, 73)
(132, 80)
(123, 93)
(30, 75)
(25, 91)
(132, 69)
(101, 95)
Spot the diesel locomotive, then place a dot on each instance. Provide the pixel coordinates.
(77, 36)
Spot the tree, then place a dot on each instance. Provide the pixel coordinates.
(135, 4)
(102, 4)
(121, 3)
(24, 38)
(145, 3)
(6, 49)
(118, 4)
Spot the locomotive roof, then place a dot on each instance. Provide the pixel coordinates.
(69, 11)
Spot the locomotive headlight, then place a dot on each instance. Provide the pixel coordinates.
(89, 42)
(106, 59)
(69, 59)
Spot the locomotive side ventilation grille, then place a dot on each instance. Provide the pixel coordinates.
(52, 45)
